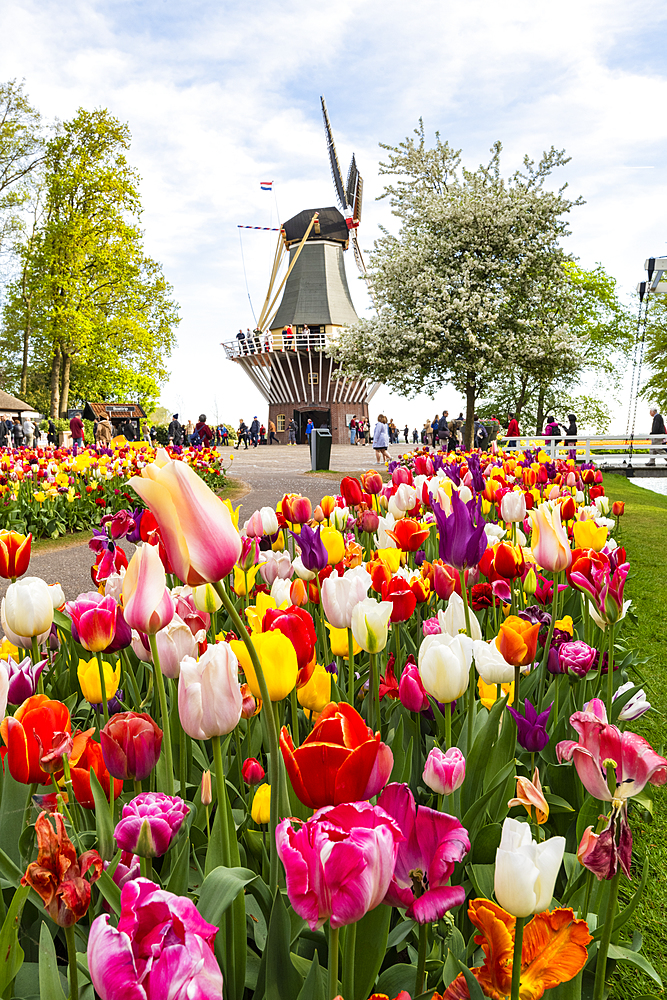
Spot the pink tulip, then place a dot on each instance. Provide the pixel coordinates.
(339, 863)
(444, 772)
(147, 604)
(433, 842)
(161, 950)
(254, 527)
(210, 701)
(197, 621)
(174, 643)
(249, 553)
(276, 565)
(411, 690)
(549, 542)
(94, 619)
(196, 527)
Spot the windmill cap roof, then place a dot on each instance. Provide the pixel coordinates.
(332, 226)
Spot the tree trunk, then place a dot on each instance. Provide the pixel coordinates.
(469, 429)
(24, 363)
(64, 395)
(540, 410)
(522, 398)
(54, 411)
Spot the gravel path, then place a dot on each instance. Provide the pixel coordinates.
(262, 476)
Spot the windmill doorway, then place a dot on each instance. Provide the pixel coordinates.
(320, 418)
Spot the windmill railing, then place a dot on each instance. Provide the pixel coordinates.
(587, 447)
(270, 343)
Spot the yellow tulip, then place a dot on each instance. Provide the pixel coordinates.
(486, 506)
(240, 580)
(334, 543)
(339, 643)
(261, 804)
(488, 693)
(39, 497)
(255, 613)
(279, 544)
(391, 558)
(317, 692)
(7, 650)
(278, 659)
(89, 679)
(566, 624)
(234, 512)
(589, 535)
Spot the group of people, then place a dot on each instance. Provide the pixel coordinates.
(359, 428)
(256, 433)
(16, 433)
(256, 341)
(198, 435)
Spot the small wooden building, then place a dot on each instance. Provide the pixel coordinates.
(12, 407)
(118, 414)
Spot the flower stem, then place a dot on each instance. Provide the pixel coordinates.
(166, 743)
(471, 682)
(332, 984)
(350, 675)
(373, 693)
(71, 956)
(295, 716)
(275, 757)
(448, 726)
(348, 960)
(607, 927)
(517, 957)
(543, 666)
(421, 959)
(221, 793)
(137, 787)
(610, 671)
(103, 687)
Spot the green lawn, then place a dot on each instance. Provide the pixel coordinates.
(643, 531)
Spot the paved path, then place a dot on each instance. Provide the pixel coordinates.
(263, 475)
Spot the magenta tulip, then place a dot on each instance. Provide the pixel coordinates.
(131, 743)
(23, 679)
(150, 823)
(339, 863)
(433, 842)
(148, 605)
(410, 688)
(444, 772)
(161, 950)
(93, 620)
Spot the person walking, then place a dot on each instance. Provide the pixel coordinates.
(203, 431)
(254, 431)
(189, 431)
(381, 439)
(393, 432)
(272, 433)
(262, 434)
(571, 430)
(353, 429)
(104, 431)
(480, 432)
(513, 431)
(415, 436)
(175, 430)
(76, 427)
(242, 435)
(28, 432)
(443, 431)
(428, 430)
(3, 432)
(657, 427)
(129, 430)
(17, 433)
(310, 426)
(291, 432)
(51, 434)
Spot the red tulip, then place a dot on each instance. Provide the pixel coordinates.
(403, 599)
(444, 580)
(372, 482)
(340, 761)
(90, 759)
(297, 625)
(350, 489)
(252, 771)
(408, 534)
(131, 743)
(509, 561)
(618, 508)
(29, 732)
(296, 509)
(14, 554)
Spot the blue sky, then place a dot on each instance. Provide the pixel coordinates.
(219, 96)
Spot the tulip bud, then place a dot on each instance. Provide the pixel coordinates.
(530, 583)
(370, 522)
(587, 845)
(298, 594)
(206, 793)
(327, 504)
(269, 521)
(444, 772)
(252, 771)
(251, 706)
(618, 508)
(261, 805)
(411, 690)
(318, 514)
(253, 529)
(249, 553)
(206, 599)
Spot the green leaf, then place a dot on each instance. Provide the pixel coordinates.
(627, 955)
(110, 891)
(480, 755)
(104, 826)
(399, 752)
(14, 797)
(9, 870)
(313, 987)
(180, 868)
(625, 914)
(588, 816)
(10, 949)
(50, 983)
(283, 982)
(486, 844)
(474, 989)
(397, 978)
(373, 926)
(481, 877)
(220, 888)
(400, 932)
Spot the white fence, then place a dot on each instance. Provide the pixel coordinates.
(592, 446)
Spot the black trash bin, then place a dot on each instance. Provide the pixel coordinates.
(320, 448)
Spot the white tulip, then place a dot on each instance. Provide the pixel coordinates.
(269, 520)
(444, 666)
(490, 664)
(385, 524)
(465, 493)
(335, 592)
(339, 518)
(275, 565)
(455, 618)
(370, 624)
(513, 506)
(114, 585)
(4, 687)
(140, 650)
(280, 591)
(526, 871)
(405, 497)
(28, 608)
(57, 596)
(494, 533)
(301, 571)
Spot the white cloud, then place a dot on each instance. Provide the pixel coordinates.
(221, 96)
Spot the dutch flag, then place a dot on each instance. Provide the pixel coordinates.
(266, 185)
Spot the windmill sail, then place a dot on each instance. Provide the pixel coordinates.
(355, 189)
(333, 159)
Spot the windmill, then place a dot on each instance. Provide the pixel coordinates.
(286, 356)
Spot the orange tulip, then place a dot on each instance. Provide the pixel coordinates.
(517, 641)
(554, 951)
(380, 575)
(29, 733)
(529, 795)
(14, 554)
(408, 534)
(508, 560)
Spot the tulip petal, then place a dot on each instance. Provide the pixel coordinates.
(320, 765)
(515, 882)
(589, 772)
(111, 963)
(554, 951)
(17, 750)
(158, 498)
(435, 903)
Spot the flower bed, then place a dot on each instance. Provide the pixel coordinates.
(383, 746)
(48, 492)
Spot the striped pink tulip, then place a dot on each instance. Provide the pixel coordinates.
(147, 604)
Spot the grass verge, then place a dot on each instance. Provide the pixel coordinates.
(643, 532)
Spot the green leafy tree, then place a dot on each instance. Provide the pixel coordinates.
(97, 320)
(21, 150)
(459, 289)
(654, 389)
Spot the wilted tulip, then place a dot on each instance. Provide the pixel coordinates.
(131, 743)
(526, 872)
(529, 795)
(209, 694)
(444, 772)
(147, 604)
(150, 823)
(57, 875)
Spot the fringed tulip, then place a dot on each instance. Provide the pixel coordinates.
(339, 864)
(147, 604)
(209, 695)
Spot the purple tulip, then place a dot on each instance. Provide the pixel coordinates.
(531, 727)
(434, 841)
(314, 555)
(114, 705)
(462, 537)
(134, 534)
(149, 824)
(23, 679)
(161, 950)
(127, 869)
(122, 637)
(575, 658)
